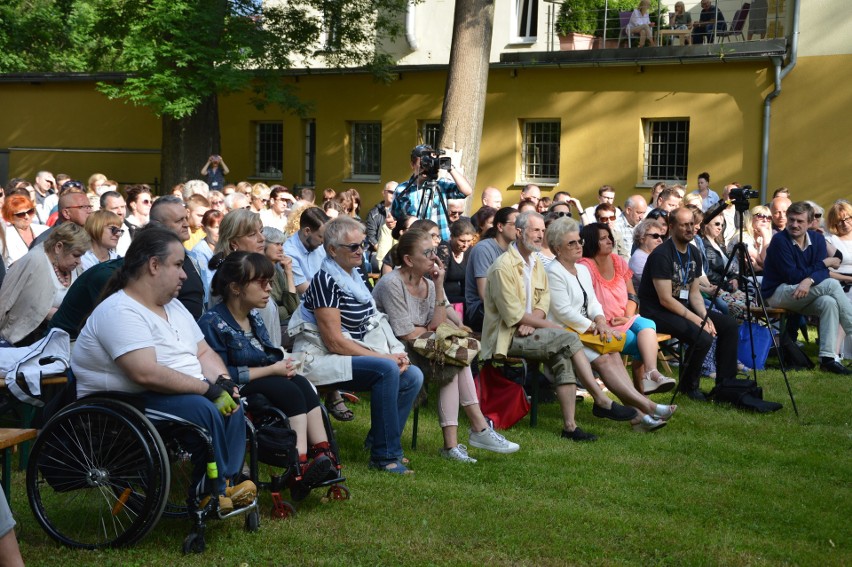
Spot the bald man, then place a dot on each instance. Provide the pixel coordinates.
(492, 197)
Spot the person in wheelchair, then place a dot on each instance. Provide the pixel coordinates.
(142, 341)
(235, 331)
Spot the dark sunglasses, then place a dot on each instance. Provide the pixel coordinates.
(572, 243)
(606, 219)
(561, 214)
(262, 282)
(357, 247)
(115, 230)
(655, 235)
(72, 184)
(657, 213)
(25, 214)
(762, 217)
(817, 215)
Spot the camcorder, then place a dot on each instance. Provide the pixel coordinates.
(740, 196)
(432, 161)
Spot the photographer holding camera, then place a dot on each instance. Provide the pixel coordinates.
(215, 171)
(425, 195)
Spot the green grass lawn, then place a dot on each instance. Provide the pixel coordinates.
(715, 487)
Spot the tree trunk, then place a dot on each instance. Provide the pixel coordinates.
(467, 82)
(187, 143)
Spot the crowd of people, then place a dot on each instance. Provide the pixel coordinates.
(216, 291)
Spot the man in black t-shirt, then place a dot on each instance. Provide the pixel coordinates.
(669, 295)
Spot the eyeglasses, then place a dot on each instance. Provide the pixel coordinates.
(454, 213)
(606, 219)
(561, 214)
(429, 252)
(435, 237)
(115, 230)
(817, 215)
(72, 184)
(357, 247)
(655, 235)
(216, 203)
(717, 224)
(87, 207)
(575, 243)
(145, 201)
(25, 214)
(262, 282)
(762, 217)
(844, 221)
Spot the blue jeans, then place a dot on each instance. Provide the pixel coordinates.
(228, 433)
(391, 396)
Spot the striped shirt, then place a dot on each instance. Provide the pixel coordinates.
(324, 292)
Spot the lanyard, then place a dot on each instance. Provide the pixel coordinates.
(684, 270)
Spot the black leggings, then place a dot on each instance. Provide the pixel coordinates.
(293, 396)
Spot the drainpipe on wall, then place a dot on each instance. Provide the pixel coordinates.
(780, 73)
(410, 33)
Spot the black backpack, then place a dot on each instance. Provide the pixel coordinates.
(744, 394)
(792, 355)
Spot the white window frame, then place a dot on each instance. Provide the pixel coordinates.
(515, 23)
(680, 151)
(526, 153)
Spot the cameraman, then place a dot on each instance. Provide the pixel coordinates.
(409, 194)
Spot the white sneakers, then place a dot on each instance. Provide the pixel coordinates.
(490, 440)
(457, 453)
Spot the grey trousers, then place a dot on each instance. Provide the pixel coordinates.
(554, 348)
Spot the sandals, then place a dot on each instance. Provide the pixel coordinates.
(393, 467)
(338, 410)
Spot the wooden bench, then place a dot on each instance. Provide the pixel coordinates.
(28, 412)
(9, 440)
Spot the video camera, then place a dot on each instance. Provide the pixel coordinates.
(432, 161)
(740, 196)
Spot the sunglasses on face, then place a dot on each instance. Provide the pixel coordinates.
(145, 201)
(817, 215)
(606, 219)
(561, 214)
(25, 214)
(357, 247)
(762, 217)
(262, 282)
(217, 203)
(655, 236)
(115, 230)
(575, 243)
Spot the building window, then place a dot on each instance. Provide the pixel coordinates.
(310, 152)
(540, 151)
(269, 149)
(666, 150)
(331, 18)
(366, 150)
(430, 133)
(525, 20)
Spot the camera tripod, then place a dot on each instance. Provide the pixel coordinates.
(430, 186)
(747, 282)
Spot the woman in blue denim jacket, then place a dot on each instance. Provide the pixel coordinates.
(236, 332)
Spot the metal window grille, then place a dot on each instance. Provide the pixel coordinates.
(269, 149)
(541, 151)
(666, 150)
(431, 133)
(310, 152)
(366, 149)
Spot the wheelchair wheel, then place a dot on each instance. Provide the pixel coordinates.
(98, 475)
(180, 460)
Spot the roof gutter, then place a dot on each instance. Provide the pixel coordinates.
(410, 34)
(780, 74)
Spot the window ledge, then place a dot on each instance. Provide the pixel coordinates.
(363, 179)
(523, 184)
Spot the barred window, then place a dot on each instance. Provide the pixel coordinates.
(366, 150)
(666, 150)
(269, 149)
(430, 133)
(540, 152)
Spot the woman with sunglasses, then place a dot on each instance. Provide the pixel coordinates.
(647, 235)
(757, 234)
(413, 298)
(36, 284)
(19, 212)
(104, 228)
(613, 287)
(139, 204)
(353, 346)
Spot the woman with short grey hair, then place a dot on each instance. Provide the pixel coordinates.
(283, 289)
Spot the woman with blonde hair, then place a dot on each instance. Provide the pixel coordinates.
(104, 230)
(93, 189)
(757, 225)
(241, 230)
(640, 24)
(37, 283)
(839, 223)
(259, 197)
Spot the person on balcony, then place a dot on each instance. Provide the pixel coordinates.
(640, 24)
(710, 21)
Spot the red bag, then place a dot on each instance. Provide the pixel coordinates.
(501, 400)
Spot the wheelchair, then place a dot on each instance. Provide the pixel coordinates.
(101, 475)
(272, 442)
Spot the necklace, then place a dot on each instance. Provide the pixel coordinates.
(63, 277)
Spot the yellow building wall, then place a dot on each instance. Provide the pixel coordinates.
(601, 112)
(72, 116)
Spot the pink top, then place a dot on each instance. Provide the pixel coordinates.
(612, 294)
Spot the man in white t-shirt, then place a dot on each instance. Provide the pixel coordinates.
(141, 340)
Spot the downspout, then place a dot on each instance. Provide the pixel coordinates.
(780, 74)
(410, 34)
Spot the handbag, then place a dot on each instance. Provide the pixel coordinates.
(762, 337)
(447, 345)
(597, 344)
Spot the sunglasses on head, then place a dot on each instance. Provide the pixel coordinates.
(357, 247)
(72, 185)
(25, 214)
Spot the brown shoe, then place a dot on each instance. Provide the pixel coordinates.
(225, 504)
(242, 494)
